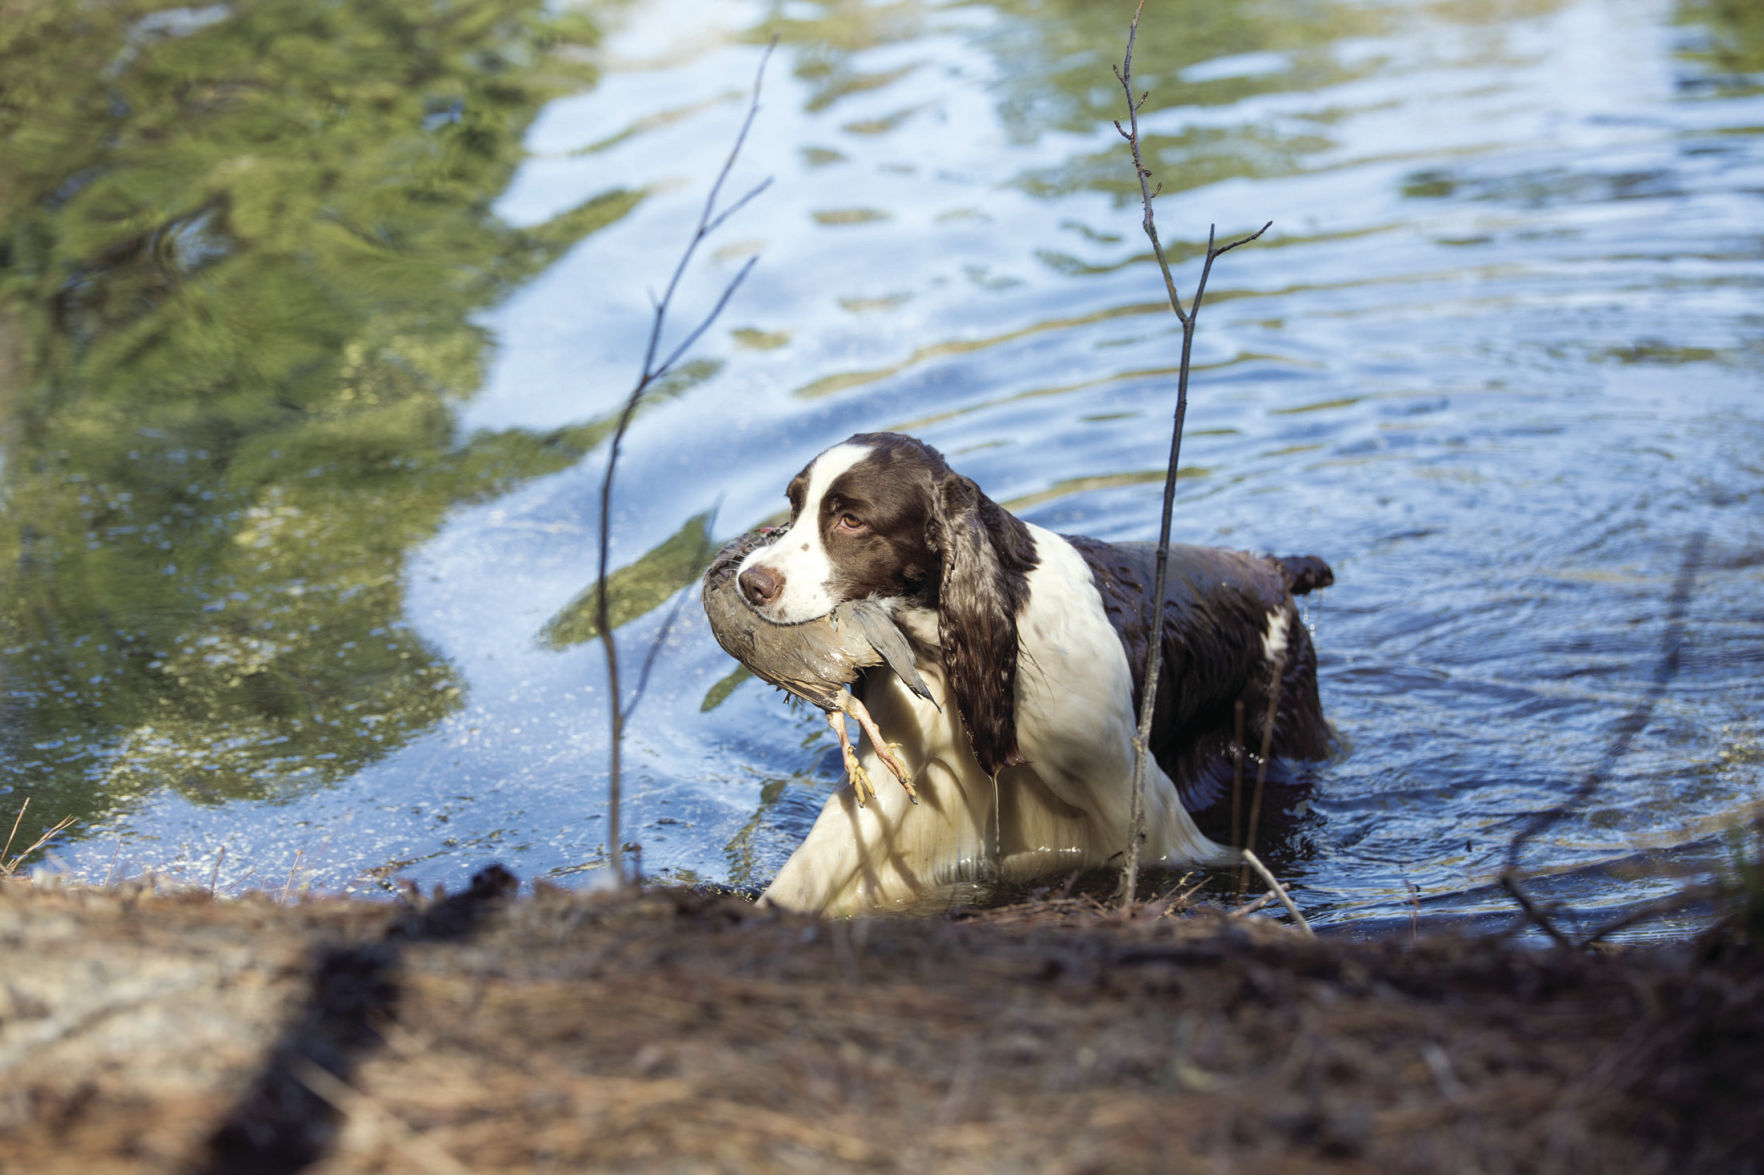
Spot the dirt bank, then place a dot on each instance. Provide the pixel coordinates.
(144, 1032)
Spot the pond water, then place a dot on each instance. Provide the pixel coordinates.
(309, 399)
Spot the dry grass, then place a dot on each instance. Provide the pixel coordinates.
(9, 864)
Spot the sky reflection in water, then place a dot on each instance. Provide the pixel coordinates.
(1497, 361)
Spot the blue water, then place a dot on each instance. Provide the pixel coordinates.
(1498, 360)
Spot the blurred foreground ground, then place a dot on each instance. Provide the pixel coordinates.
(148, 1032)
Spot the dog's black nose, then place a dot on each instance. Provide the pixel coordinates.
(760, 584)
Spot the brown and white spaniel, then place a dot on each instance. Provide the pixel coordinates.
(1032, 644)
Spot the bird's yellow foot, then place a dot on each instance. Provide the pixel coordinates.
(890, 754)
(860, 779)
(860, 783)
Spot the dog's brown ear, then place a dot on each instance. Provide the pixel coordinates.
(985, 554)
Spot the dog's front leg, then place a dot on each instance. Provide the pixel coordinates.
(892, 853)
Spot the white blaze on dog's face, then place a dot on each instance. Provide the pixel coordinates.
(799, 558)
(860, 516)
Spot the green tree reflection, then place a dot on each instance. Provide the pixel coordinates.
(239, 248)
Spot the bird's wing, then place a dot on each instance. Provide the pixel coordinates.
(877, 624)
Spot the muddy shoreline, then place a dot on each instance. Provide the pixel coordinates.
(493, 1030)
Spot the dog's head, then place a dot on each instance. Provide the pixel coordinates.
(883, 515)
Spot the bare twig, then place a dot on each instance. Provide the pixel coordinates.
(1278, 890)
(288, 885)
(1178, 897)
(1255, 812)
(1251, 906)
(1154, 660)
(1510, 883)
(14, 832)
(1237, 772)
(708, 221)
(9, 866)
(234, 885)
(661, 637)
(1627, 729)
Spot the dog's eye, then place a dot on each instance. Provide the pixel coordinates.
(849, 523)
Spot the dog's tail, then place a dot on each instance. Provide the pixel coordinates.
(1304, 573)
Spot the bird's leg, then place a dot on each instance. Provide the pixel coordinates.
(884, 750)
(860, 779)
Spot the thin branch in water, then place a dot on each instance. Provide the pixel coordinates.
(15, 822)
(232, 887)
(686, 343)
(1237, 772)
(1278, 890)
(1255, 812)
(1627, 729)
(709, 219)
(1124, 75)
(1154, 660)
(1175, 900)
(10, 866)
(741, 203)
(1510, 883)
(288, 885)
(667, 626)
(1251, 906)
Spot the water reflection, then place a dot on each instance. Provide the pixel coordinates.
(300, 500)
(241, 264)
